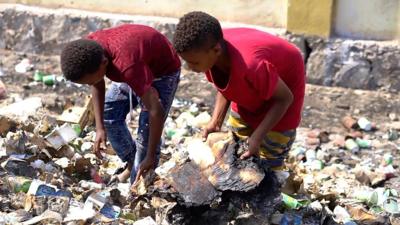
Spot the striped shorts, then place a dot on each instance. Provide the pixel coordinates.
(275, 145)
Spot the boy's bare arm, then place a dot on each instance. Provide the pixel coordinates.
(156, 112)
(220, 109)
(281, 100)
(98, 93)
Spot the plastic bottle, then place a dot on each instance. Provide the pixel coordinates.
(351, 145)
(38, 76)
(18, 184)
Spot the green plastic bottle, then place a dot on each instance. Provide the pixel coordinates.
(24, 187)
(38, 76)
(18, 184)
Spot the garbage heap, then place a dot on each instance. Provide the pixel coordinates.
(208, 183)
(49, 173)
(349, 174)
(344, 174)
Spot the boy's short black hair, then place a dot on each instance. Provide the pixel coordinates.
(80, 57)
(195, 30)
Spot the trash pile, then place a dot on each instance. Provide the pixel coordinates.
(351, 177)
(48, 171)
(344, 174)
(208, 183)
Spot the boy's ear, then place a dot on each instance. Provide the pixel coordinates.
(217, 48)
(104, 61)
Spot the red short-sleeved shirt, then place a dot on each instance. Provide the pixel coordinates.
(137, 54)
(257, 60)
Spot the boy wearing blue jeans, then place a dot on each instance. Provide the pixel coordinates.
(145, 71)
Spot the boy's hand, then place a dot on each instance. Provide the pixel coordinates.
(253, 148)
(146, 165)
(282, 98)
(210, 128)
(100, 138)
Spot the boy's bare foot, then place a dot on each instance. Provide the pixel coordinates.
(122, 177)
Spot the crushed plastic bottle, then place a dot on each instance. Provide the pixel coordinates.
(292, 203)
(18, 184)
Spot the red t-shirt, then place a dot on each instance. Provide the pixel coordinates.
(257, 60)
(137, 54)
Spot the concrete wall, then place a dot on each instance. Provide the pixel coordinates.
(270, 13)
(367, 19)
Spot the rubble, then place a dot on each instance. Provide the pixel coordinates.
(52, 168)
(192, 187)
(339, 169)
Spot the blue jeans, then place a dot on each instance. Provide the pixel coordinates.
(117, 107)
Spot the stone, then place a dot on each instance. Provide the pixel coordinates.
(193, 188)
(300, 42)
(312, 141)
(205, 172)
(200, 153)
(233, 174)
(46, 26)
(346, 63)
(221, 166)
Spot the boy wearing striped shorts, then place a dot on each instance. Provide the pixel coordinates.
(260, 76)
